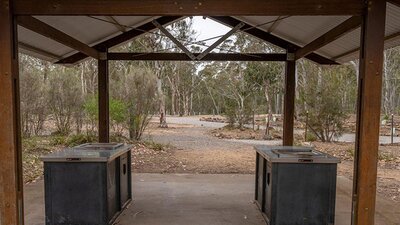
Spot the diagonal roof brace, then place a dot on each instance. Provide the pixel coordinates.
(219, 41)
(340, 30)
(275, 40)
(173, 39)
(119, 39)
(36, 25)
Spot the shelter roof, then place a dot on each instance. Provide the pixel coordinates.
(297, 30)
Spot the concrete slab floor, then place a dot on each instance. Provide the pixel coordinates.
(202, 199)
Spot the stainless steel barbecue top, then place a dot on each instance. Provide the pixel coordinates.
(90, 152)
(294, 154)
(99, 146)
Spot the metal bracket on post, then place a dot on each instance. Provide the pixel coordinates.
(219, 41)
(173, 39)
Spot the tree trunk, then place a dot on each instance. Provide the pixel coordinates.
(172, 101)
(269, 112)
(163, 119)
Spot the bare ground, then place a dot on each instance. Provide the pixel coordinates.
(191, 146)
(190, 150)
(194, 149)
(388, 166)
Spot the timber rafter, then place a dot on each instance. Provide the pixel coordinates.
(337, 32)
(48, 31)
(188, 7)
(128, 35)
(277, 41)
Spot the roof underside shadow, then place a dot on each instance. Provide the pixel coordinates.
(294, 32)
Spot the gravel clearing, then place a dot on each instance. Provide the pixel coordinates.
(192, 149)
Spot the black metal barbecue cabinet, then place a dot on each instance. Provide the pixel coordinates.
(87, 185)
(295, 185)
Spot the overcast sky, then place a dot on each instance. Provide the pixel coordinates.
(207, 28)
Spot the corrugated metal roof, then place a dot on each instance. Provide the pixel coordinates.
(89, 30)
(299, 30)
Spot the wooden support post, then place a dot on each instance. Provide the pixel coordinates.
(11, 182)
(290, 90)
(368, 112)
(103, 89)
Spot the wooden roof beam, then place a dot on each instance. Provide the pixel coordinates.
(394, 36)
(209, 57)
(48, 31)
(277, 41)
(188, 7)
(120, 38)
(337, 32)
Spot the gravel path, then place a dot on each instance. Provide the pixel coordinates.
(190, 133)
(195, 121)
(194, 150)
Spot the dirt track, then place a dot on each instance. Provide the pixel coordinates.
(193, 150)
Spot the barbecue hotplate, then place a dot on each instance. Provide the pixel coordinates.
(99, 146)
(297, 153)
(294, 154)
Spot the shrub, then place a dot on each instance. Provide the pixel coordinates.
(322, 99)
(79, 139)
(58, 140)
(156, 146)
(311, 137)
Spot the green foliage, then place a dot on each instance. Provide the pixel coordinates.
(230, 112)
(387, 157)
(351, 152)
(117, 111)
(30, 143)
(311, 137)
(78, 139)
(34, 96)
(264, 74)
(135, 98)
(322, 97)
(118, 115)
(91, 108)
(237, 113)
(66, 95)
(65, 98)
(386, 117)
(58, 140)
